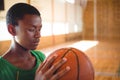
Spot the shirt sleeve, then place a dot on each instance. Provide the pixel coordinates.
(40, 55)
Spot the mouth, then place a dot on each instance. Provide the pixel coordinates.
(36, 42)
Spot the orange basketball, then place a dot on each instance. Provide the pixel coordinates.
(80, 65)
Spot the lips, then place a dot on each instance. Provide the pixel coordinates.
(36, 42)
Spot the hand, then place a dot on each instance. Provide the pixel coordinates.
(46, 71)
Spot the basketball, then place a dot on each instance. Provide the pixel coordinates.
(80, 65)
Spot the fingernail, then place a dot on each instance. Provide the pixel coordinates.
(67, 68)
(65, 59)
(55, 55)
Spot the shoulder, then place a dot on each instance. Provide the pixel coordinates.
(1, 60)
(2, 64)
(39, 54)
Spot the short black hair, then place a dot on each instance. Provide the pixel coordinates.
(17, 12)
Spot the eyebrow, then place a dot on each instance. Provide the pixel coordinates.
(36, 26)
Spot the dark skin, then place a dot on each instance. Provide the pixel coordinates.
(26, 37)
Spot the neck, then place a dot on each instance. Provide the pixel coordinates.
(20, 57)
(18, 51)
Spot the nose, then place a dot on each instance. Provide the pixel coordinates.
(37, 34)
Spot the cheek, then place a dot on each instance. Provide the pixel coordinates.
(30, 34)
(24, 37)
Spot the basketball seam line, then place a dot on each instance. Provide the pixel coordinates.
(76, 60)
(78, 65)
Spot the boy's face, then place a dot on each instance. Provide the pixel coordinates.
(28, 31)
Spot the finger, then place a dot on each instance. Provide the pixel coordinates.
(57, 65)
(48, 63)
(60, 74)
(40, 66)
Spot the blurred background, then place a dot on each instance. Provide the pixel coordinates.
(92, 26)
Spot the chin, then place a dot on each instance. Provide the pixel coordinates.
(34, 48)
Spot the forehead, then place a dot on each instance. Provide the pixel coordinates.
(31, 19)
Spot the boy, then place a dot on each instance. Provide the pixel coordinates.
(21, 61)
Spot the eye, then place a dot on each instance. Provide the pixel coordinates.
(31, 29)
(39, 30)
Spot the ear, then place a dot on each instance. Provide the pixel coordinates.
(11, 29)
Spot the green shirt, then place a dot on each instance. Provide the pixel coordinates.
(10, 72)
